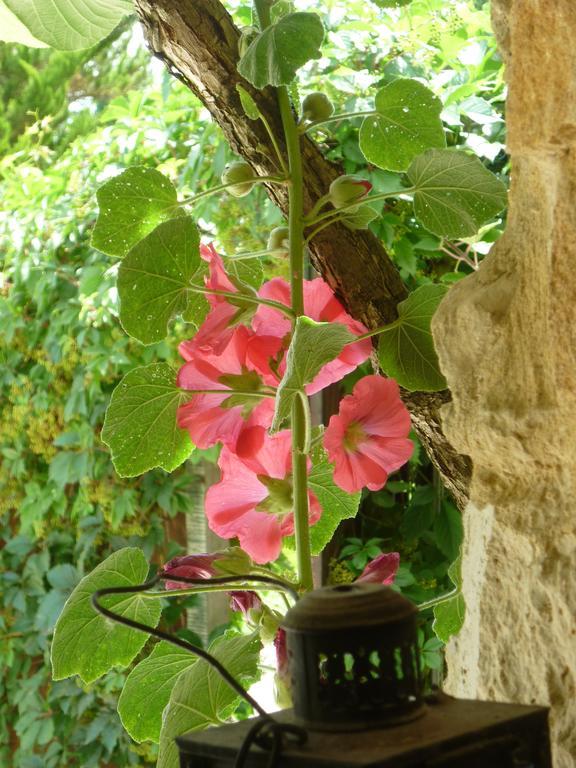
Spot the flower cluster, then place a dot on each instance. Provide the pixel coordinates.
(233, 366)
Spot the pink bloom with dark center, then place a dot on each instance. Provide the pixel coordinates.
(321, 305)
(381, 570)
(213, 417)
(368, 438)
(254, 499)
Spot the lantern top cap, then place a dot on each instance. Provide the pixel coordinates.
(347, 606)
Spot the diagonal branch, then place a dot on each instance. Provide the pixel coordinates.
(199, 44)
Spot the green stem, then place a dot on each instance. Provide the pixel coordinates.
(250, 255)
(375, 332)
(296, 251)
(270, 133)
(322, 226)
(222, 187)
(364, 201)
(337, 118)
(243, 297)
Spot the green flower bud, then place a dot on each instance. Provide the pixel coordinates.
(347, 189)
(240, 174)
(278, 241)
(317, 106)
(247, 35)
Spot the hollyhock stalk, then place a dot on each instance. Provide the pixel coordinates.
(296, 253)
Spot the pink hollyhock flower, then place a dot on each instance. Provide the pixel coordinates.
(381, 570)
(321, 305)
(253, 500)
(213, 417)
(368, 438)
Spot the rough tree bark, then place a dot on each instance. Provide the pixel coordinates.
(199, 44)
(507, 342)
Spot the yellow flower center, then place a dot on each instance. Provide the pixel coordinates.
(353, 436)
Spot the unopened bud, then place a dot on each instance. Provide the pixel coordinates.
(240, 174)
(278, 240)
(348, 189)
(317, 106)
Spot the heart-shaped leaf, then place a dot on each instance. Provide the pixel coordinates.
(406, 348)
(313, 345)
(140, 427)
(131, 205)
(88, 644)
(454, 194)
(155, 277)
(69, 25)
(275, 55)
(407, 123)
(202, 698)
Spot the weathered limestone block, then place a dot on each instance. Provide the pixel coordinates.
(506, 338)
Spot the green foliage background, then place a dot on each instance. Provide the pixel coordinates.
(71, 121)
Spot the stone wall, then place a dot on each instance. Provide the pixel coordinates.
(506, 338)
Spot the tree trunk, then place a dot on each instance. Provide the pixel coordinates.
(199, 43)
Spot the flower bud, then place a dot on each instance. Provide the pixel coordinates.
(317, 106)
(348, 189)
(246, 601)
(381, 570)
(247, 36)
(278, 241)
(240, 174)
(189, 567)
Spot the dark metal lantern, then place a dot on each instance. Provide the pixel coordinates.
(353, 658)
(354, 666)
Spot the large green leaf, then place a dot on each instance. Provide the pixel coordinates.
(313, 345)
(140, 427)
(276, 54)
(68, 25)
(449, 616)
(131, 206)
(337, 505)
(152, 682)
(202, 698)
(13, 31)
(88, 644)
(406, 348)
(154, 279)
(454, 194)
(407, 123)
